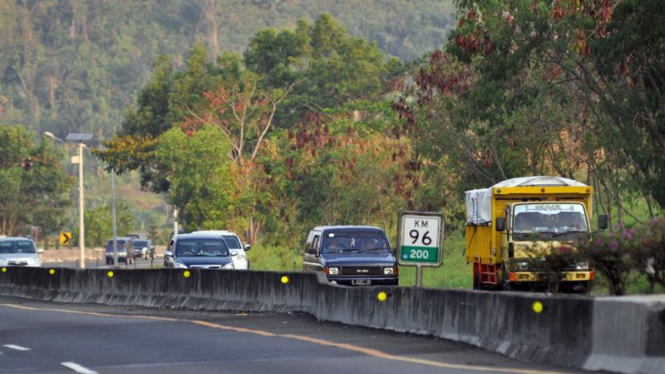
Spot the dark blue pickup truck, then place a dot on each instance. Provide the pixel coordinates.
(351, 255)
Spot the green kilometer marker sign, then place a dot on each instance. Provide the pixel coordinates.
(420, 238)
(420, 241)
(420, 254)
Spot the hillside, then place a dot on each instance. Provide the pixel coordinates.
(73, 66)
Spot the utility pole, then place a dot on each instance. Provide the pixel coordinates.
(81, 205)
(80, 138)
(115, 224)
(78, 159)
(175, 221)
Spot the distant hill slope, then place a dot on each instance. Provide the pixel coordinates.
(73, 65)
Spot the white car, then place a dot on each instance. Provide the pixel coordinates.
(15, 251)
(238, 252)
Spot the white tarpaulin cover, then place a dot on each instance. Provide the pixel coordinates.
(479, 202)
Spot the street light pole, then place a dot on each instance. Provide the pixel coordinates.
(81, 206)
(79, 138)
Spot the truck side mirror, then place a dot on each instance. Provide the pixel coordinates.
(511, 250)
(603, 222)
(500, 224)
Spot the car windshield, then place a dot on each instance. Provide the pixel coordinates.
(17, 246)
(232, 241)
(201, 247)
(354, 241)
(551, 221)
(140, 243)
(121, 246)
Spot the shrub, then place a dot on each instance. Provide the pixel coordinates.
(649, 254)
(612, 255)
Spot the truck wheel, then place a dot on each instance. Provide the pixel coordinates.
(476, 280)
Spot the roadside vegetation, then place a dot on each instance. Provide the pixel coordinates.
(318, 124)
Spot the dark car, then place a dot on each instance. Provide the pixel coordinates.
(351, 255)
(142, 247)
(125, 250)
(205, 251)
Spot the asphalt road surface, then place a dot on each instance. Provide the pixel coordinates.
(38, 337)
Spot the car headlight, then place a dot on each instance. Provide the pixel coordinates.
(582, 266)
(333, 271)
(180, 265)
(241, 258)
(34, 261)
(3, 261)
(389, 271)
(228, 266)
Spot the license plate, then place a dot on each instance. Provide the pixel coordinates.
(361, 282)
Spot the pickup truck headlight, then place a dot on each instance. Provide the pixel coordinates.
(228, 266)
(582, 266)
(389, 271)
(333, 271)
(180, 265)
(34, 262)
(3, 261)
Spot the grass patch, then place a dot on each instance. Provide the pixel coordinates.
(279, 258)
(454, 273)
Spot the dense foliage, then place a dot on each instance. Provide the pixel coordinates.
(34, 188)
(73, 66)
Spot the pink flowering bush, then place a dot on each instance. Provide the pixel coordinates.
(650, 253)
(612, 254)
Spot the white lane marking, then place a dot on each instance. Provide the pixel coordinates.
(78, 368)
(16, 347)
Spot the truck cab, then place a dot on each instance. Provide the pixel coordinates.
(542, 225)
(512, 225)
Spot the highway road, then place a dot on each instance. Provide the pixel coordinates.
(38, 337)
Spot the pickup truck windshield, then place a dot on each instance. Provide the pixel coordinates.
(354, 241)
(201, 247)
(550, 221)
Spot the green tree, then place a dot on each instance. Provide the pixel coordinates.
(202, 176)
(35, 186)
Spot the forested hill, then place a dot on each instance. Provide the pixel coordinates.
(73, 65)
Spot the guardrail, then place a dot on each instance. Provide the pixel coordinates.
(624, 335)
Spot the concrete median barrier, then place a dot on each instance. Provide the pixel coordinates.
(624, 335)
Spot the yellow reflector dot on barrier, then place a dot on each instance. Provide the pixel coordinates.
(537, 307)
(52, 271)
(110, 274)
(186, 274)
(285, 279)
(382, 296)
(4, 270)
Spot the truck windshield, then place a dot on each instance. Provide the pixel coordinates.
(550, 221)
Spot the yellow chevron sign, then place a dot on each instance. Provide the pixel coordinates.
(65, 237)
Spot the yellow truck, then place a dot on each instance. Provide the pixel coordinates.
(508, 220)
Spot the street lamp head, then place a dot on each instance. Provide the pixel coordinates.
(50, 135)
